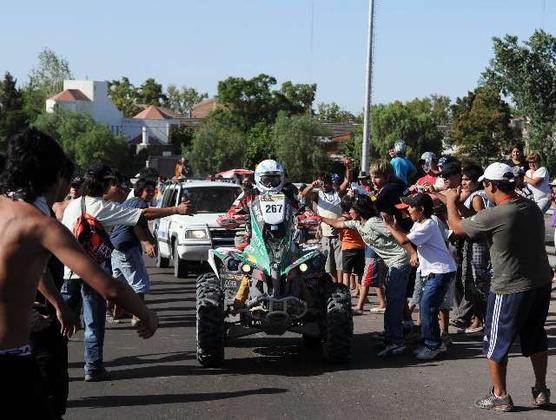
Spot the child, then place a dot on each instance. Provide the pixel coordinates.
(396, 257)
(437, 268)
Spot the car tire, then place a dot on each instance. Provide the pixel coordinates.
(180, 266)
(211, 329)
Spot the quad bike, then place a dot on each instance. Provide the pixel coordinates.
(272, 286)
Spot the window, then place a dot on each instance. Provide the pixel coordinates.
(212, 199)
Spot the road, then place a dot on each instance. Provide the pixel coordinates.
(276, 377)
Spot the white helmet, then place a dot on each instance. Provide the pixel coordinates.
(269, 176)
(400, 147)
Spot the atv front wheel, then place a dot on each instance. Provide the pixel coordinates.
(210, 321)
(339, 324)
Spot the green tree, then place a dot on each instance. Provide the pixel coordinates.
(150, 93)
(181, 100)
(216, 147)
(333, 113)
(84, 140)
(481, 127)
(296, 98)
(296, 139)
(12, 116)
(124, 96)
(259, 146)
(45, 79)
(181, 137)
(526, 73)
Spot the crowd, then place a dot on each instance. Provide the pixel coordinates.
(463, 245)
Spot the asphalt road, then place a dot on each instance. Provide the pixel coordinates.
(276, 377)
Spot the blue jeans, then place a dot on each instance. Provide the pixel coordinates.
(129, 266)
(76, 293)
(435, 288)
(395, 290)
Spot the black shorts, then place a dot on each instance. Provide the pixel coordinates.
(24, 393)
(517, 314)
(353, 261)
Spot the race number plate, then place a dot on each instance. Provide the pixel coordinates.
(273, 208)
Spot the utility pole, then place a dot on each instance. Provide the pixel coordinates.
(366, 152)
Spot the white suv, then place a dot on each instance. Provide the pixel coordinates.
(185, 240)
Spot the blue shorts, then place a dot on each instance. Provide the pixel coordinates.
(129, 266)
(518, 314)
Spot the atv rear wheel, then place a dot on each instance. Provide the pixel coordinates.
(339, 324)
(210, 321)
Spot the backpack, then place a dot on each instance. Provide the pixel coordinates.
(92, 237)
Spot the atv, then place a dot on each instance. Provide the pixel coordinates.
(274, 285)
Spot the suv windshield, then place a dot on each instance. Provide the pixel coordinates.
(212, 199)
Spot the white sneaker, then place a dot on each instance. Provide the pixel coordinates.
(391, 349)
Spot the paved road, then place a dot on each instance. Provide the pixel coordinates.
(275, 377)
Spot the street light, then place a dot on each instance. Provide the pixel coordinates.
(366, 152)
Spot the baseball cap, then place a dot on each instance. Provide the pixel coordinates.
(450, 168)
(553, 183)
(101, 171)
(362, 175)
(498, 171)
(416, 200)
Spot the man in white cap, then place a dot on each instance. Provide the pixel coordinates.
(520, 291)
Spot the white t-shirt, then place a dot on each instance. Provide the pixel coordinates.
(109, 214)
(434, 256)
(328, 205)
(541, 190)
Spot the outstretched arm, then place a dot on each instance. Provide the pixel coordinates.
(59, 241)
(335, 223)
(347, 178)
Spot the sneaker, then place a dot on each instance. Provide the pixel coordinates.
(424, 353)
(474, 330)
(135, 322)
(391, 349)
(541, 397)
(378, 310)
(492, 402)
(99, 376)
(446, 339)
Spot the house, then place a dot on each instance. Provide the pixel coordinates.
(203, 108)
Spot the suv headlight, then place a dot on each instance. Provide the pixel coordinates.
(196, 234)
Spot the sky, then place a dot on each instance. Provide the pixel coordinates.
(421, 47)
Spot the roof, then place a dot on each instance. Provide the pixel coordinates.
(153, 112)
(70, 95)
(190, 183)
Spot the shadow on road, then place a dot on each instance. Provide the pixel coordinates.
(129, 400)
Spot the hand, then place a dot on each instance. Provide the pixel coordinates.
(452, 195)
(185, 207)
(388, 220)
(414, 260)
(150, 250)
(68, 322)
(147, 326)
(348, 163)
(38, 321)
(316, 183)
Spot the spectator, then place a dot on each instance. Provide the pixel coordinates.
(538, 181)
(517, 159)
(328, 201)
(437, 268)
(398, 259)
(521, 187)
(429, 165)
(520, 292)
(99, 180)
(403, 168)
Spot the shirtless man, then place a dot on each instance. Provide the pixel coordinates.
(27, 239)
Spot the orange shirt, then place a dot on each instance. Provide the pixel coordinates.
(351, 239)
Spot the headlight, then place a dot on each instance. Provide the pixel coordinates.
(196, 234)
(303, 267)
(246, 268)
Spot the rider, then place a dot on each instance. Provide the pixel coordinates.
(403, 167)
(269, 178)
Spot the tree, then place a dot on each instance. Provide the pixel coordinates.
(481, 126)
(216, 146)
(45, 79)
(150, 93)
(411, 121)
(181, 100)
(296, 139)
(527, 74)
(296, 98)
(333, 113)
(124, 96)
(12, 116)
(181, 137)
(259, 146)
(84, 140)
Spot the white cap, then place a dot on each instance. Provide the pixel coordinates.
(498, 171)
